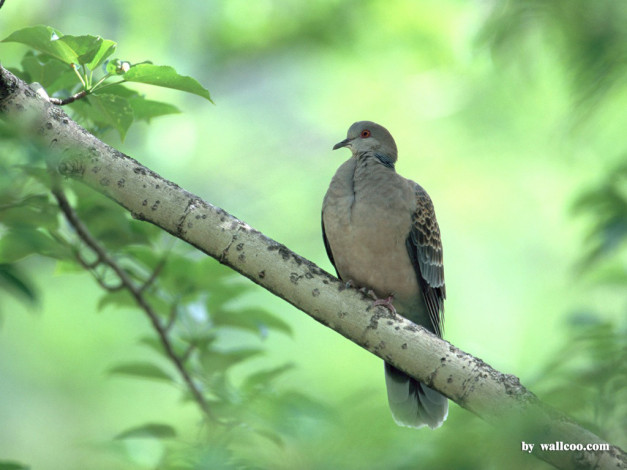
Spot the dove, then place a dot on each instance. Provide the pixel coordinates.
(382, 236)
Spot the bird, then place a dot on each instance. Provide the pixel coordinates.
(381, 235)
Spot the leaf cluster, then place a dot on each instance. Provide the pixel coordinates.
(78, 70)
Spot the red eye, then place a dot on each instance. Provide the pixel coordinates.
(365, 134)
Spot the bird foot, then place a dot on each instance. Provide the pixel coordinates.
(387, 303)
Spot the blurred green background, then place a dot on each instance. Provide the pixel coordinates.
(510, 114)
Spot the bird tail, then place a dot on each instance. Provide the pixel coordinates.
(413, 404)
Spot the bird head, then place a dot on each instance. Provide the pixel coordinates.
(369, 137)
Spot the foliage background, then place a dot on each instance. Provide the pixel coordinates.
(510, 116)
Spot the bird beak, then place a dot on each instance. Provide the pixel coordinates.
(344, 143)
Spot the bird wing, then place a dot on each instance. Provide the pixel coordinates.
(424, 246)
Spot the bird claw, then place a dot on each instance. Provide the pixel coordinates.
(387, 303)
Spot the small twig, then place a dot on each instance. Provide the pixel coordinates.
(85, 76)
(101, 282)
(100, 81)
(126, 282)
(171, 319)
(153, 276)
(86, 264)
(107, 85)
(69, 99)
(188, 353)
(107, 287)
(91, 267)
(78, 74)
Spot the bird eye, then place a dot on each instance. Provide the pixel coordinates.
(365, 134)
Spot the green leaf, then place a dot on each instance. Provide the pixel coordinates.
(152, 430)
(116, 89)
(38, 173)
(144, 370)
(107, 47)
(216, 361)
(146, 255)
(251, 319)
(272, 436)
(18, 243)
(295, 403)
(5, 465)
(153, 343)
(50, 73)
(68, 266)
(121, 298)
(180, 275)
(85, 47)
(91, 50)
(44, 39)
(114, 111)
(223, 293)
(31, 212)
(145, 110)
(86, 114)
(264, 377)
(108, 222)
(201, 338)
(12, 279)
(165, 76)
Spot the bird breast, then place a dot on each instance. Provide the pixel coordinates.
(367, 220)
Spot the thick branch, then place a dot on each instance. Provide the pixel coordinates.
(498, 398)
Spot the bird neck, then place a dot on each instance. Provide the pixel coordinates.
(371, 172)
(366, 159)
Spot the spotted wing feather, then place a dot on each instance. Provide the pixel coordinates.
(425, 251)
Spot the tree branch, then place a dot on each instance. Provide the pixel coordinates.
(496, 397)
(69, 99)
(137, 293)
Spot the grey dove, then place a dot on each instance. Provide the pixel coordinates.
(381, 234)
